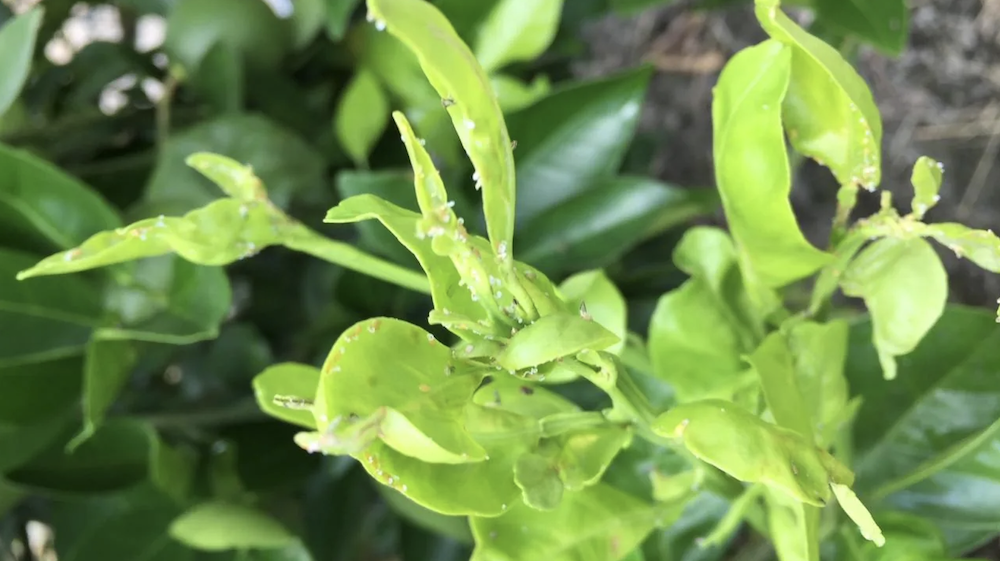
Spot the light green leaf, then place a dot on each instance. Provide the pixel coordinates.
(538, 479)
(463, 85)
(603, 301)
(514, 95)
(926, 179)
(775, 456)
(982, 247)
(286, 391)
(235, 180)
(883, 23)
(599, 523)
(828, 110)
(858, 513)
(453, 527)
(220, 526)
(751, 165)
(819, 352)
(217, 234)
(695, 345)
(590, 124)
(17, 43)
(389, 367)
(361, 116)
(551, 337)
(403, 224)
(458, 489)
(774, 365)
(106, 369)
(905, 288)
(516, 31)
(39, 200)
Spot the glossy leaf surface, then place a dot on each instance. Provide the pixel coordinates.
(39, 200)
(456, 75)
(775, 456)
(603, 301)
(361, 117)
(929, 443)
(884, 24)
(828, 110)
(220, 526)
(388, 365)
(590, 124)
(600, 225)
(599, 523)
(926, 180)
(516, 31)
(292, 384)
(905, 287)
(551, 337)
(17, 43)
(751, 165)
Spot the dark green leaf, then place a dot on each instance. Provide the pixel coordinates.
(17, 43)
(37, 200)
(169, 300)
(220, 78)
(119, 455)
(589, 124)
(106, 369)
(283, 161)
(752, 169)
(125, 526)
(926, 438)
(883, 23)
(19, 444)
(338, 15)
(220, 526)
(43, 319)
(514, 95)
(394, 187)
(598, 226)
(37, 391)
(193, 27)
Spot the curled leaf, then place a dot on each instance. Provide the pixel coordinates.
(749, 449)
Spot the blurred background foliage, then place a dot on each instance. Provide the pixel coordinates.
(117, 93)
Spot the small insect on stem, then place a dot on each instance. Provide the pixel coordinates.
(292, 402)
(447, 102)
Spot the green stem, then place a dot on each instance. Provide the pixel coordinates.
(301, 238)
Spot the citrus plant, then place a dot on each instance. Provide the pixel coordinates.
(830, 436)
